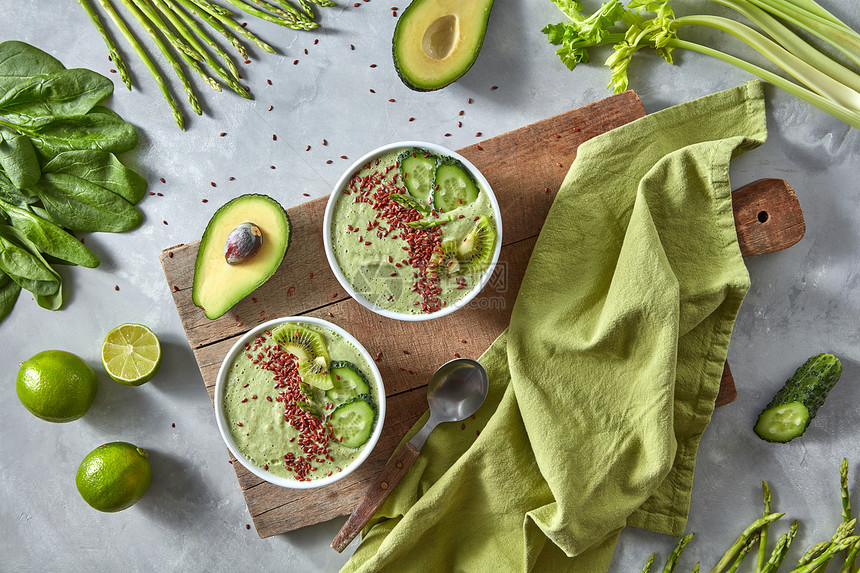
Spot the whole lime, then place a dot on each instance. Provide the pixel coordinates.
(114, 476)
(56, 386)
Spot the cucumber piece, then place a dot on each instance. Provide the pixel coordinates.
(452, 186)
(796, 404)
(349, 382)
(353, 422)
(417, 167)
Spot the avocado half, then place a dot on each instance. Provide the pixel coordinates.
(437, 41)
(218, 285)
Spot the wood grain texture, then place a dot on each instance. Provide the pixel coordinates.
(767, 216)
(373, 499)
(304, 285)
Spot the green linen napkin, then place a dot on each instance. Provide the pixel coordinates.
(607, 374)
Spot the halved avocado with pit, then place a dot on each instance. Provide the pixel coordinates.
(437, 41)
(218, 285)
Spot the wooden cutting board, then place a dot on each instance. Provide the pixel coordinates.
(525, 168)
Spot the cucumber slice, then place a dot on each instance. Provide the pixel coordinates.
(796, 404)
(452, 186)
(349, 382)
(354, 422)
(782, 423)
(417, 170)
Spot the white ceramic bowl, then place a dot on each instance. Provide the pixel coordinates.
(342, 183)
(221, 382)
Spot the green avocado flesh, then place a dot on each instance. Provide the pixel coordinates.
(218, 285)
(437, 41)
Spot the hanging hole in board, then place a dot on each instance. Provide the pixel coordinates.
(763, 216)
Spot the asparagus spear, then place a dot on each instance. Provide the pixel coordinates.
(111, 46)
(308, 8)
(165, 50)
(231, 24)
(828, 554)
(203, 35)
(778, 555)
(147, 61)
(754, 538)
(851, 559)
(842, 532)
(737, 545)
(679, 548)
(843, 486)
(194, 42)
(284, 10)
(649, 564)
(324, 3)
(695, 568)
(214, 8)
(294, 24)
(762, 548)
(215, 24)
(191, 57)
(813, 552)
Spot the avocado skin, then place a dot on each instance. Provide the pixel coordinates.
(404, 76)
(233, 297)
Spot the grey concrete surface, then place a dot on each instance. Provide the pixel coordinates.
(803, 300)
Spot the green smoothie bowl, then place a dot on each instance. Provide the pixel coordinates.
(412, 231)
(299, 402)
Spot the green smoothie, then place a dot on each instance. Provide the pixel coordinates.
(397, 266)
(260, 393)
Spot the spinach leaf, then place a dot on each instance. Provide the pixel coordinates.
(10, 193)
(50, 238)
(101, 168)
(20, 61)
(61, 94)
(40, 212)
(51, 301)
(80, 205)
(98, 131)
(18, 158)
(55, 300)
(23, 267)
(9, 291)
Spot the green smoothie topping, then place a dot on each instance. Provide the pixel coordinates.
(283, 420)
(412, 231)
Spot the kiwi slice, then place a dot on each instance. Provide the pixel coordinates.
(310, 350)
(475, 251)
(446, 260)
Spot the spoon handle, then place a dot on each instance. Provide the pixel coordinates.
(390, 476)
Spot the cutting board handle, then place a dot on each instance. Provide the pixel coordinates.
(767, 219)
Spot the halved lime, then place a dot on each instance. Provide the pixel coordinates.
(131, 354)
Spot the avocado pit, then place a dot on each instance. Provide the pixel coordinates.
(440, 38)
(243, 243)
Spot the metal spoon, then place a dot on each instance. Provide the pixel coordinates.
(455, 392)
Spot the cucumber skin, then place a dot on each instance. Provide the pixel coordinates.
(810, 385)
